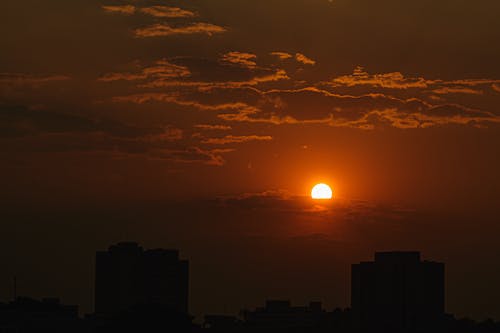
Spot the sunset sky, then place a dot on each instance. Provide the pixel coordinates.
(204, 124)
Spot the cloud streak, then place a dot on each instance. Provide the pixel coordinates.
(282, 55)
(164, 29)
(124, 9)
(304, 59)
(167, 12)
(236, 139)
(160, 70)
(241, 59)
(20, 79)
(155, 11)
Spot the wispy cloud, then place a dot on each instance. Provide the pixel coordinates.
(363, 112)
(213, 127)
(457, 90)
(282, 55)
(240, 58)
(123, 9)
(47, 131)
(394, 80)
(161, 69)
(236, 139)
(278, 75)
(194, 155)
(164, 29)
(155, 11)
(175, 98)
(304, 59)
(167, 12)
(29, 79)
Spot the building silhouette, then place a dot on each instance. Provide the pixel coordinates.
(397, 293)
(26, 315)
(127, 275)
(280, 314)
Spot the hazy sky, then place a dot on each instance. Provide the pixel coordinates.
(202, 124)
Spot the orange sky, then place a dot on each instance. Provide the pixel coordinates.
(118, 107)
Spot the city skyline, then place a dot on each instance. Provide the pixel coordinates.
(127, 274)
(147, 289)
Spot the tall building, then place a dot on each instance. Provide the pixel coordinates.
(127, 275)
(397, 293)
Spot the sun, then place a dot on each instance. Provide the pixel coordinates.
(321, 192)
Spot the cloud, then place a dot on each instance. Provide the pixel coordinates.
(155, 11)
(394, 80)
(240, 58)
(236, 139)
(282, 55)
(19, 121)
(171, 151)
(167, 12)
(124, 9)
(176, 99)
(235, 70)
(440, 115)
(20, 79)
(169, 134)
(25, 130)
(339, 210)
(457, 90)
(251, 114)
(213, 127)
(278, 75)
(164, 29)
(314, 106)
(194, 155)
(247, 101)
(472, 82)
(161, 70)
(304, 60)
(299, 57)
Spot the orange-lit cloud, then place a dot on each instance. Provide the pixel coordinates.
(155, 11)
(394, 80)
(240, 58)
(282, 55)
(457, 90)
(167, 12)
(194, 155)
(47, 131)
(213, 127)
(363, 112)
(304, 60)
(176, 99)
(278, 75)
(236, 139)
(161, 69)
(29, 79)
(123, 9)
(164, 29)
(168, 134)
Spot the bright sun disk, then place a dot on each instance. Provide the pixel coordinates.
(321, 191)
